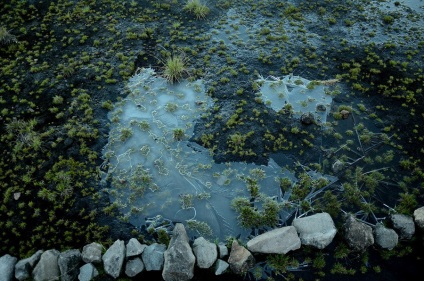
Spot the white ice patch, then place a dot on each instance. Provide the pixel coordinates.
(294, 91)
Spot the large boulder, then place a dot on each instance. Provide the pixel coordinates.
(134, 248)
(386, 238)
(404, 225)
(205, 252)
(47, 269)
(24, 267)
(179, 258)
(317, 230)
(69, 263)
(419, 217)
(153, 256)
(134, 267)
(277, 241)
(220, 267)
(87, 272)
(240, 260)
(92, 253)
(7, 267)
(113, 259)
(358, 235)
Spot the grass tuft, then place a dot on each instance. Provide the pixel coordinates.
(175, 68)
(6, 37)
(198, 9)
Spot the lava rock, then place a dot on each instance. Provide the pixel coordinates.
(358, 235)
(345, 113)
(321, 107)
(307, 118)
(337, 166)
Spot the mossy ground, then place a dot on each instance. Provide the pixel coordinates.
(71, 61)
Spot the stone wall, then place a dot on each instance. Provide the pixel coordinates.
(178, 260)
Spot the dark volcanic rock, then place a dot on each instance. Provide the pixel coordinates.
(358, 235)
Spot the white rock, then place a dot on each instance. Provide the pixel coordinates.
(220, 267)
(47, 268)
(87, 272)
(92, 253)
(134, 248)
(404, 224)
(205, 252)
(179, 258)
(317, 230)
(134, 267)
(386, 238)
(113, 259)
(277, 241)
(153, 256)
(223, 250)
(419, 217)
(7, 266)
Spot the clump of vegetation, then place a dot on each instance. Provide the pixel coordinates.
(253, 216)
(196, 8)
(200, 227)
(178, 134)
(387, 19)
(6, 37)
(175, 68)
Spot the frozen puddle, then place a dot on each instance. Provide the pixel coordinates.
(154, 173)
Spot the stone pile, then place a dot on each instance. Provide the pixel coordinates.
(177, 261)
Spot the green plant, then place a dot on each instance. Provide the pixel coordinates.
(252, 216)
(175, 68)
(178, 134)
(5, 36)
(387, 19)
(200, 226)
(163, 236)
(125, 134)
(171, 107)
(186, 201)
(198, 9)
